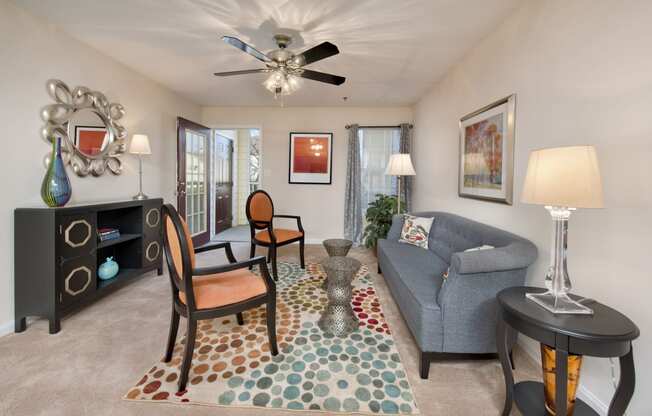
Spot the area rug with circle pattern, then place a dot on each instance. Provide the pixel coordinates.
(232, 366)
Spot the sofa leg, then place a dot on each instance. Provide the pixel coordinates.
(424, 365)
(379, 271)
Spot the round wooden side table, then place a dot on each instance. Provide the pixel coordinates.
(606, 333)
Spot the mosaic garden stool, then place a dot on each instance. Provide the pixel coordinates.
(336, 247)
(338, 318)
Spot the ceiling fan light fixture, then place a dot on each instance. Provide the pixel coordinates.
(281, 83)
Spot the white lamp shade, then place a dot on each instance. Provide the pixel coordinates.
(400, 164)
(564, 177)
(140, 145)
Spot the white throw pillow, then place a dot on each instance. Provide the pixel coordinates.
(415, 230)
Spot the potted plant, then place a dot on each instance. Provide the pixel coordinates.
(379, 218)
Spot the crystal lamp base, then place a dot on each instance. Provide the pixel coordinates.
(561, 304)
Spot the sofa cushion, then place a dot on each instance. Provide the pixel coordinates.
(414, 277)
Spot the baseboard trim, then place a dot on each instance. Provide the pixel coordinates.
(6, 328)
(314, 240)
(532, 350)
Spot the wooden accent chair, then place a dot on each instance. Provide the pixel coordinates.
(210, 292)
(260, 214)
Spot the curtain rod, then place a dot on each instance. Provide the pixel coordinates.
(348, 126)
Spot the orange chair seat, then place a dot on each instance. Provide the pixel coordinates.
(281, 235)
(215, 290)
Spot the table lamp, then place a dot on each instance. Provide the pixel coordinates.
(562, 179)
(399, 165)
(140, 146)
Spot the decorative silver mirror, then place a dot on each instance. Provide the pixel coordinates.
(87, 123)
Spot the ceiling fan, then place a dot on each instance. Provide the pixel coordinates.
(285, 66)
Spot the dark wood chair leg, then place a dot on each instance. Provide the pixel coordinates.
(252, 253)
(187, 355)
(172, 335)
(302, 257)
(511, 359)
(271, 323)
(274, 267)
(424, 365)
(240, 318)
(269, 255)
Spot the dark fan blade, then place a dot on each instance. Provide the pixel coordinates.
(243, 72)
(245, 48)
(319, 52)
(320, 76)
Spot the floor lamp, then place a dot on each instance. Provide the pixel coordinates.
(399, 165)
(140, 146)
(562, 179)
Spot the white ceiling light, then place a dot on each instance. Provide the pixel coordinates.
(280, 83)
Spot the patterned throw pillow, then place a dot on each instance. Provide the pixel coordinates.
(415, 230)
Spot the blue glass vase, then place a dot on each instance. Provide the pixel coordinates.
(55, 189)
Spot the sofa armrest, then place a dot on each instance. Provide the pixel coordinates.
(395, 230)
(469, 309)
(517, 255)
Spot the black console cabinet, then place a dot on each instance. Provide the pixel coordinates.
(57, 253)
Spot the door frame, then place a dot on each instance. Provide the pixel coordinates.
(214, 187)
(183, 123)
(234, 165)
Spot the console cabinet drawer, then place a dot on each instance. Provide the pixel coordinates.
(153, 252)
(152, 220)
(77, 279)
(77, 235)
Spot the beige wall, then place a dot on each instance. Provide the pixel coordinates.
(582, 72)
(321, 206)
(33, 51)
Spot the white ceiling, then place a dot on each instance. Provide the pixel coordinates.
(391, 51)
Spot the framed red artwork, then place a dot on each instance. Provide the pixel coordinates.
(311, 158)
(90, 140)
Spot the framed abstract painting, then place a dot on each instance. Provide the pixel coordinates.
(311, 158)
(91, 140)
(486, 169)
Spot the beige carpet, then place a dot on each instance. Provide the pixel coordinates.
(88, 366)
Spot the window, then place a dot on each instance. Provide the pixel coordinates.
(254, 160)
(196, 192)
(376, 146)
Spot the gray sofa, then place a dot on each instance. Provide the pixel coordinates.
(457, 314)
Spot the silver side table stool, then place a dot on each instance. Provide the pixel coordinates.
(338, 318)
(336, 247)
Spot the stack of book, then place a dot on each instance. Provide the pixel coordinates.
(108, 233)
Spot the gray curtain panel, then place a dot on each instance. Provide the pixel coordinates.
(405, 146)
(352, 199)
